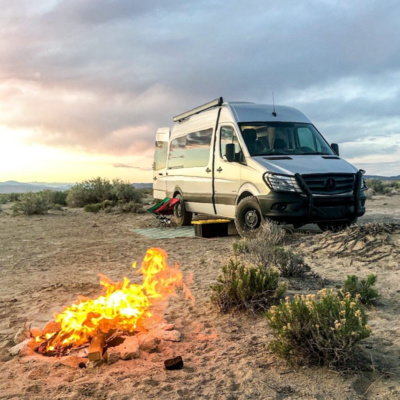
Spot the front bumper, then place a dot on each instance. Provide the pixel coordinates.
(308, 208)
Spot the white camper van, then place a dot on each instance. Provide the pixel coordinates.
(249, 162)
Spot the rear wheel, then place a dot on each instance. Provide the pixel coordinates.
(248, 217)
(336, 226)
(182, 217)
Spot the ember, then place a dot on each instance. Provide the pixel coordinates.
(123, 307)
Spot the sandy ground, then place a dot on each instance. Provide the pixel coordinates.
(47, 261)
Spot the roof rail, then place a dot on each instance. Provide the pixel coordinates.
(187, 114)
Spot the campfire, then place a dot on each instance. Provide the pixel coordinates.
(123, 310)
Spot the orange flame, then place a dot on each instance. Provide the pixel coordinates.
(122, 307)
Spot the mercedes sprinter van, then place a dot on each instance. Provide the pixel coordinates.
(250, 162)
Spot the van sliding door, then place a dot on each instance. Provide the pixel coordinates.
(190, 170)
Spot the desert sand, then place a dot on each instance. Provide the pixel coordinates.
(47, 261)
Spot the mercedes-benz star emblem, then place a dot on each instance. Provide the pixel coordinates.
(330, 184)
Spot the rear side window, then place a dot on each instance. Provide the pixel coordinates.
(160, 156)
(191, 150)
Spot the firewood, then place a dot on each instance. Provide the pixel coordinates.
(174, 363)
(96, 347)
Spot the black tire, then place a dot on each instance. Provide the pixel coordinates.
(181, 216)
(336, 226)
(248, 217)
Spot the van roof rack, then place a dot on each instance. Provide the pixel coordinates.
(187, 114)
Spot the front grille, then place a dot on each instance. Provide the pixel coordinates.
(327, 184)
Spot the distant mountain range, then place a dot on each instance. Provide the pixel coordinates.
(21, 187)
(383, 178)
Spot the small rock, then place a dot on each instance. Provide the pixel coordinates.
(154, 322)
(166, 327)
(130, 348)
(148, 343)
(26, 351)
(172, 336)
(21, 335)
(14, 351)
(112, 355)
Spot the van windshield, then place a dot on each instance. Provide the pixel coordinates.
(283, 138)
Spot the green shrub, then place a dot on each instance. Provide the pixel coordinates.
(378, 186)
(91, 191)
(323, 330)
(288, 263)
(361, 288)
(4, 198)
(131, 208)
(9, 197)
(94, 208)
(55, 197)
(107, 204)
(30, 204)
(240, 247)
(125, 192)
(242, 287)
(257, 250)
(98, 190)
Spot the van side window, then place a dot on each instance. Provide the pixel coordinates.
(160, 156)
(227, 136)
(191, 150)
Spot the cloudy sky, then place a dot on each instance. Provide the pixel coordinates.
(85, 83)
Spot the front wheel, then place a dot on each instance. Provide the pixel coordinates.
(248, 217)
(336, 226)
(182, 217)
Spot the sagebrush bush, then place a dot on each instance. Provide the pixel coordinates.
(91, 191)
(98, 190)
(125, 192)
(93, 208)
(288, 263)
(131, 208)
(258, 249)
(30, 204)
(246, 287)
(382, 187)
(323, 329)
(361, 288)
(240, 247)
(4, 199)
(9, 197)
(55, 197)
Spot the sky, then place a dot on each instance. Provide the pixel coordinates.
(84, 84)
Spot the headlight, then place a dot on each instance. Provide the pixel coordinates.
(282, 183)
(363, 185)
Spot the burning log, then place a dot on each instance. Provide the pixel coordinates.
(96, 347)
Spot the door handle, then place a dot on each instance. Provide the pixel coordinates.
(160, 173)
(208, 170)
(219, 169)
(155, 178)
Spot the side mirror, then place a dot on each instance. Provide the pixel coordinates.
(230, 152)
(335, 148)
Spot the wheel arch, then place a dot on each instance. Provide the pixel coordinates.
(177, 190)
(245, 191)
